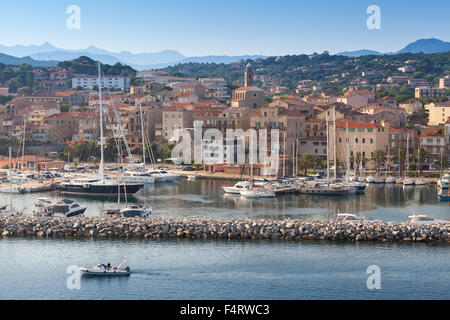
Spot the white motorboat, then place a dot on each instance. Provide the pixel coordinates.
(237, 188)
(106, 270)
(423, 219)
(399, 181)
(192, 178)
(43, 202)
(162, 175)
(390, 179)
(257, 193)
(5, 212)
(379, 180)
(444, 181)
(137, 177)
(420, 182)
(370, 179)
(361, 179)
(350, 217)
(63, 208)
(132, 211)
(409, 181)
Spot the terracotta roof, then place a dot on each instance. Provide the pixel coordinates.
(351, 124)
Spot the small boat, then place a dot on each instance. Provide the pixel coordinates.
(237, 188)
(370, 179)
(361, 179)
(258, 193)
(61, 208)
(106, 270)
(132, 211)
(341, 217)
(390, 179)
(423, 219)
(409, 181)
(379, 180)
(399, 181)
(192, 178)
(444, 197)
(420, 182)
(444, 181)
(4, 212)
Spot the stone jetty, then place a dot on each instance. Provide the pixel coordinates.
(279, 230)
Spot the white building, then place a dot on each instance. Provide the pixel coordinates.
(112, 82)
(444, 82)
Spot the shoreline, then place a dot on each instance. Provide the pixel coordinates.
(216, 229)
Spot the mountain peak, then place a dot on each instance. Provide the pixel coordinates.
(431, 45)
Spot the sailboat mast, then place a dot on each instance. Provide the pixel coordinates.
(143, 134)
(10, 179)
(407, 152)
(328, 151)
(24, 136)
(284, 154)
(101, 168)
(334, 143)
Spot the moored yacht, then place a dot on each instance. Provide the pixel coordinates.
(132, 211)
(257, 193)
(444, 181)
(60, 208)
(409, 181)
(390, 179)
(423, 219)
(137, 177)
(237, 188)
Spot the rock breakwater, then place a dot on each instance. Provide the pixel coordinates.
(295, 230)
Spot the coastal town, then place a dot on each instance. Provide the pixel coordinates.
(58, 117)
(224, 158)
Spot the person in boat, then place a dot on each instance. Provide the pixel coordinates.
(108, 266)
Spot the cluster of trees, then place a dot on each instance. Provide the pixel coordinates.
(24, 77)
(88, 66)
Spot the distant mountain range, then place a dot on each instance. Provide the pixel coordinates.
(423, 45)
(10, 60)
(47, 54)
(139, 61)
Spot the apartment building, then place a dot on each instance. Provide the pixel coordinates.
(112, 82)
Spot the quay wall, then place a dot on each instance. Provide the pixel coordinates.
(279, 230)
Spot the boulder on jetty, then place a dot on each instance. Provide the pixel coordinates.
(277, 230)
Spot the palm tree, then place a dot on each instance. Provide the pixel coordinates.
(305, 162)
(421, 155)
(378, 157)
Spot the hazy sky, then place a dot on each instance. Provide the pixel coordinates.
(228, 27)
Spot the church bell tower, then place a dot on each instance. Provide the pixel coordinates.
(248, 82)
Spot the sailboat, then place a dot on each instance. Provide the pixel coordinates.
(100, 185)
(328, 188)
(11, 212)
(408, 181)
(419, 181)
(256, 192)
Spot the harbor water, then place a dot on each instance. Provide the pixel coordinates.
(205, 199)
(196, 269)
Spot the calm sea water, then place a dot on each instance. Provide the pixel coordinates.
(36, 269)
(220, 270)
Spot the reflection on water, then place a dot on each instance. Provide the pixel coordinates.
(205, 198)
